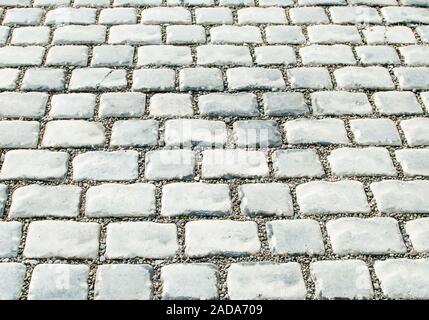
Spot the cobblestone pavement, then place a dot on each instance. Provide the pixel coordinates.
(214, 149)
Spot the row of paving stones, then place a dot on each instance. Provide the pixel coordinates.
(208, 238)
(203, 3)
(135, 34)
(211, 79)
(347, 279)
(216, 164)
(252, 15)
(202, 199)
(34, 105)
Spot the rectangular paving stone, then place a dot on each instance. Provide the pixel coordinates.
(123, 282)
(395, 102)
(73, 133)
(134, 133)
(371, 161)
(230, 164)
(8, 78)
(266, 281)
(164, 55)
(375, 236)
(14, 56)
(403, 278)
(154, 80)
(77, 34)
(340, 103)
(62, 239)
(412, 78)
(389, 35)
(349, 279)
(394, 196)
(117, 200)
(323, 197)
(34, 165)
(295, 237)
(294, 163)
(10, 238)
(19, 134)
(268, 55)
(235, 35)
(223, 55)
(134, 34)
(195, 199)
(141, 239)
(324, 131)
(190, 281)
(224, 105)
(255, 78)
(417, 230)
(277, 104)
(195, 132)
(309, 78)
(42, 201)
(375, 132)
(265, 199)
(12, 275)
(327, 55)
(284, 35)
(46, 277)
(221, 237)
(97, 79)
(329, 34)
(256, 134)
(105, 166)
(374, 78)
(169, 165)
(416, 131)
(200, 79)
(72, 106)
(122, 104)
(414, 162)
(370, 55)
(67, 55)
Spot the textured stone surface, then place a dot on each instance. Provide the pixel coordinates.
(147, 146)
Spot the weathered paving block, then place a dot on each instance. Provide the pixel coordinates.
(389, 35)
(42, 201)
(375, 132)
(324, 131)
(195, 132)
(122, 104)
(221, 237)
(293, 163)
(62, 239)
(374, 78)
(342, 280)
(18, 134)
(169, 164)
(67, 55)
(72, 106)
(393, 102)
(10, 238)
(117, 200)
(268, 55)
(134, 34)
(277, 104)
(329, 34)
(43, 80)
(340, 103)
(235, 35)
(256, 133)
(309, 78)
(265, 199)
(12, 275)
(223, 55)
(414, 162)
(171, 104)
(327, 55)
(224, 105)
(185, 34)
(97, 79)
(153, 80)
(266, 281)
(196, 199)
(105, 166)
(403, 278)
(417, 230)
(369, 55)
(255, 78)
(14, 56)
(200, 79)
(8, 78)
(189, 281)
(94, 34)
(164, 55)
(25, 105)
(234, 164)
(34, 165)
(375, 236)
(73, 133)
(394, 196)
(123, 282)
(134, 133)
(322, 197)
(47, 282)
(212, 16)
(416, 131)
(371, 161)
(141, 239)
(412, 78)
(295, 237)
